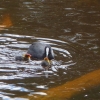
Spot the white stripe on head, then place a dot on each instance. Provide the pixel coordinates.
(47, 51)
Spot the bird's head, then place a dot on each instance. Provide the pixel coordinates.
(46, 63)
(47, 60)
(27, 57)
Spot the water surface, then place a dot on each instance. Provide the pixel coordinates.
(70, 27)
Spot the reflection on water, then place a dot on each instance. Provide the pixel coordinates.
(72, 29)
(24, 77)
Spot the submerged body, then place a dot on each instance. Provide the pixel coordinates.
(38, 51)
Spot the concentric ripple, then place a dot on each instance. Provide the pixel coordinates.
(17, 77)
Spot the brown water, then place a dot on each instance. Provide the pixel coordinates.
(71, 27)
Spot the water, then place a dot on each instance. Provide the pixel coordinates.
(70, 27)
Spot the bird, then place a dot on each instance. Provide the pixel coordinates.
(46, 63)
(38, 51)
(25, 57)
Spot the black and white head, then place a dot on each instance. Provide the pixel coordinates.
(49, 53)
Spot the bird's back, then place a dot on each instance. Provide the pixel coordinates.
(37, 50)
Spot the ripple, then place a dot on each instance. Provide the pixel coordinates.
(41, 87)
(18, 46)
(40, 93)
(2, 97)
(65, 53)
(18, 72)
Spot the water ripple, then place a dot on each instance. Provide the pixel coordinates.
(13, 45)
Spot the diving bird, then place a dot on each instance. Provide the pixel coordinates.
(39, 51)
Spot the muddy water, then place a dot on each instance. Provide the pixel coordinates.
(70, 27)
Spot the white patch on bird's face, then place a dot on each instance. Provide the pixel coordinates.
(47, 51)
